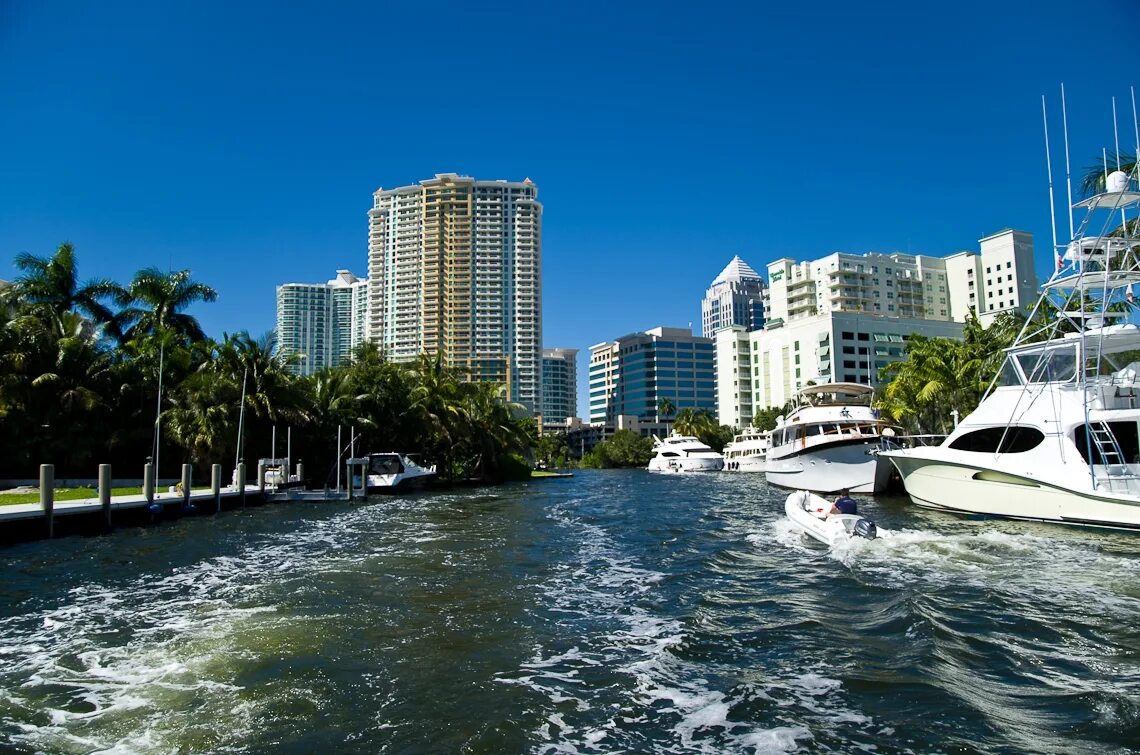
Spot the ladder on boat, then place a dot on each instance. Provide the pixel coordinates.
(1117, 476)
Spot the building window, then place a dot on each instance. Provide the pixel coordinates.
(1008, 265)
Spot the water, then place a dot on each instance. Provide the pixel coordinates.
(616, 611)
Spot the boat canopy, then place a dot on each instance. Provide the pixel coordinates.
(833, 394)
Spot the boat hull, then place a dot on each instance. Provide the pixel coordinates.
(746, 464)
(686, 464)
(967, 489)
(829, 469)
(382, 485)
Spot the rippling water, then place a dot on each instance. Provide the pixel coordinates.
(612, 611)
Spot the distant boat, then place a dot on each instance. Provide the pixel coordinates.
(748, 451)
(391, 472)
(684, 453)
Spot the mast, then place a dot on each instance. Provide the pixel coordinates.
(241, 419)
(1068, 175)
(158, 408)
(1052, 208)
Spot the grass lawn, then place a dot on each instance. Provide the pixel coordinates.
(70, 494)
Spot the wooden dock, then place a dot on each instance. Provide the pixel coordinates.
(203, 500)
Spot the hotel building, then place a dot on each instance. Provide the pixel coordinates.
(559, 386)
(454, 267)
(321, 322)
(630, 375)
(843, 317)
(735, 297)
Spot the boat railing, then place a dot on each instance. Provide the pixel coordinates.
(895, 442)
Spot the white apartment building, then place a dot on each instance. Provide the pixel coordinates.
(321, 322)
(843, 317)
(455, 269)
(735, 297)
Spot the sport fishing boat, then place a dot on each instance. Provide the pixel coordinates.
(811, 514)
(684, 453)
(1055, 437)
(748, 451)
(391, 472)
(826, 442)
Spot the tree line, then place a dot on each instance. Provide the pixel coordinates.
(81, 363)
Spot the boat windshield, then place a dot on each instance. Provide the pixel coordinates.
(1048, 366)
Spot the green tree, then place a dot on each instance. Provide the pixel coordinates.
(625, 448)
(50, 288)
(665, 409)
(154, 303)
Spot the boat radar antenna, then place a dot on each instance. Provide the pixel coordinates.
(1068, 174)
(1052, 208)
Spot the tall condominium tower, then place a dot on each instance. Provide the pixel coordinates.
(559, 385)
(631, 375)
(736, 297)
(455, 268)
(321, 322)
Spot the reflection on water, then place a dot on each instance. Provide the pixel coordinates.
(612, 611)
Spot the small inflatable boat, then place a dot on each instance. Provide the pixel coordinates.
(809, 512)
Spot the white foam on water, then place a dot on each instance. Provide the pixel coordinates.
(605, 587)
(140, 665)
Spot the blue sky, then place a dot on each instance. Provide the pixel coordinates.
(244, 140)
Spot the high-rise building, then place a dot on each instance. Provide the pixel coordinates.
(559, 385)
(454, 267)
(629, 376)
(735, 297)
(1000, 278)
(321, 322)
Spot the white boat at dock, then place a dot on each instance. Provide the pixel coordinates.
(826, 443)
(1055, 438)
(391, 472)
(748, 451)
(684, 453)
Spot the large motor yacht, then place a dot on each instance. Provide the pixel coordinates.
(684, 453)
(1055, 437)
(825, 443)
(748, 451)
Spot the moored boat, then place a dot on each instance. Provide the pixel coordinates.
(827, 440)
(1055, 437)
(684, 453)
(748, 451)
(391, 472)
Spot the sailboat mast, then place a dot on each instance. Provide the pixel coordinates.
(1068, 174)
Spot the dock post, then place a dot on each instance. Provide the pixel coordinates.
(300, 472)
(351, 485)
(105, 493)
(148, 482)
(216, 485)
(47, 496)
(261, 468)
(187, 480)
(241, 483)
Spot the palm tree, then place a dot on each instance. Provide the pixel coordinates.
(154, 303)
(51, 288)
(665, 409)
(1093, 180)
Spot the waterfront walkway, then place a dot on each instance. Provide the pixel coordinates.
(203, 499)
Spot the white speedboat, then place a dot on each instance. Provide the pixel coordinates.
(1055, 438)
(684, 453)
(825, 444)
(391, 472)
(748, 451)
(811, 514)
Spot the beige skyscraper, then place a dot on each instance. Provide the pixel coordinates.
(454, 267)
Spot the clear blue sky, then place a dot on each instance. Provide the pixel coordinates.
(244, 140)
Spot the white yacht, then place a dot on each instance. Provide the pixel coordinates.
(748, 451)
(684, 453)
(825, 444)
(391, 472)
(1055, 437)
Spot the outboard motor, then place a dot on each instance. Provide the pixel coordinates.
(866, 528)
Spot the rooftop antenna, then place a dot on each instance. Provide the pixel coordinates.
(1052, 209)
(1068, 175)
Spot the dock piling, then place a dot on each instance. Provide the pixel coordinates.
(261, 469)
(47, 496)
(241, 482)
(148, 482)
(216, 485)
(105, 493)
(187, 480)
(300, 472)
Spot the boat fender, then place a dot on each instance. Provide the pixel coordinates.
(866, 528)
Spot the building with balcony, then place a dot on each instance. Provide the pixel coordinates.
(735, 297)
(559, 386)
(454, 266)
(630, 375)
(319, 324)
